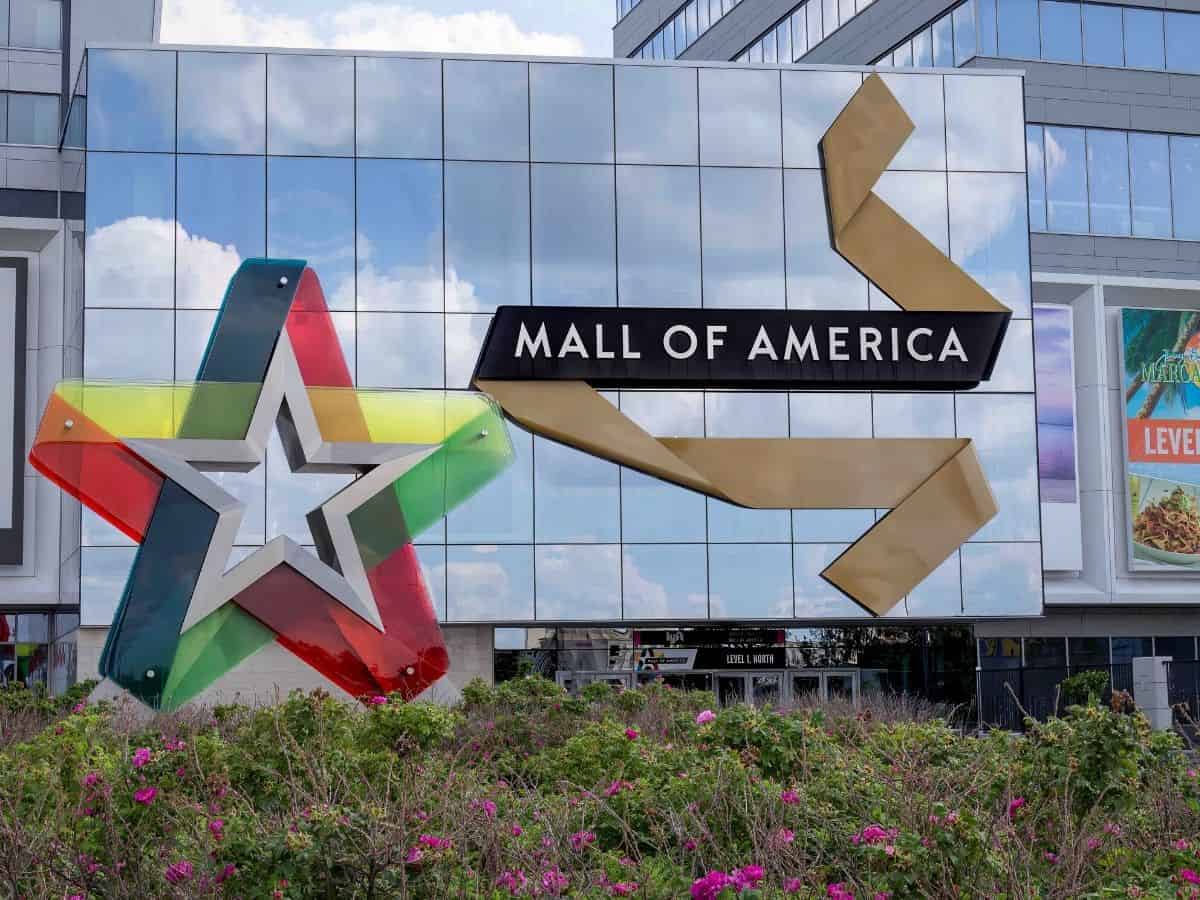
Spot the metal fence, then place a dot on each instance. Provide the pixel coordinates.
(1183, 688)
(1035, 690)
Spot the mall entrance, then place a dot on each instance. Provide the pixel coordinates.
(734, 687)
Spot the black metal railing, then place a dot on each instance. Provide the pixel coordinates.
(1183, 689)
(1035, 691)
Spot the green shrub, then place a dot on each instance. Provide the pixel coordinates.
(1084, 687)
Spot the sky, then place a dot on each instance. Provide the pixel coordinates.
(529, 27)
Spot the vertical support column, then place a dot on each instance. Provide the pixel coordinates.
(1150, 690)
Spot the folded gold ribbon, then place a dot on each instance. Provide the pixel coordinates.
(935, 487)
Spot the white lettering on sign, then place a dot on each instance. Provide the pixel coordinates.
(541, 342)
(1166, 441)
(713, 341)
(694, 342)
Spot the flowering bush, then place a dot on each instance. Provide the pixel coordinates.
(522, 791)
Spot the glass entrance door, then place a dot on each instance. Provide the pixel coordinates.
(731, 689)
(824, 686)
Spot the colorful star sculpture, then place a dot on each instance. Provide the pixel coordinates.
(134, 453)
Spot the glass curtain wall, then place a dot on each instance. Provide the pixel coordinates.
(427, 192)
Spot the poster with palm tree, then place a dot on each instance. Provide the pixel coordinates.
(1161, 369)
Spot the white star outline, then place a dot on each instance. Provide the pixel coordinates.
(284, 399)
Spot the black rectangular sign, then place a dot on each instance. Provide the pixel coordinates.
(612, 347)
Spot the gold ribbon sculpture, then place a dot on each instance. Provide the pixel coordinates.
(935, 487)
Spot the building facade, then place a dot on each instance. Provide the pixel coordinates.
(41, 244)
(1112, 137)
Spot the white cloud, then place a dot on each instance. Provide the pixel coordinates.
(360, 26)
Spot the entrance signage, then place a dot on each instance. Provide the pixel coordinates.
(675, 659)
(545, 366)
(1161, 353)
(784, 349)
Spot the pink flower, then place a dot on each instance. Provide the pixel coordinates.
(710, 886)
(1181, 844)
(882, 895)
(747, 877)
(90, 779)
(890, 850)
(616, 787)
(689, 844)
(1051, 857)
(77, 897)
(1190, 876)
(623, 888)
(226, 873)
(838, 891)
(1013, 805)
(79, 707)
(631, 733)
(415, 855)
(793, 886)
(145, 796)
(173, 745)
(951, 818)
(582, 839)
(514, 881)
(141, 756)
(1093, 843)
(554, 882)
(790, 797)
(488, 807)
(516, 830)
(705, 717)
(1191, 773)
(1112, 828)
(782, 838)
(217, 827)
(874, 834)
(378, 700)
(433, 842)
(179, 872)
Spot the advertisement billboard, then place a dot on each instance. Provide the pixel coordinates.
(1058, 474)
(1161, 363)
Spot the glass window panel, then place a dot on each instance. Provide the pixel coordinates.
(756, 52)
(1176, 647)
(845, 11)
(130, 230)
(1002, 579)
(989, 234)
(922, 44)
(222, 221)
(399, 107)
(192, 328)
(1005, 437)
(964, 32)
(822, 526)
(310, 215)
(1143, 38)
(400, 350)
(814, 596)
(986, 10)
(681, 41)
(399, 234)
(921, 97)
(1088, 651)
(571, 112)
(799, 32)
(815, 31)
(821, 414)
(1183, 37)
(502, 511)
(1061, 31)
(580, 583)
(902, 57)
(659, 45)
(665, 582)
(1066, 180)
(985, 122)
(690, 24)
(1108, 181)
(913, 415)
(750, 581)
(4, 23)
(746, 414)
(576, 495)
(940, 594)
(1018, 28)
(37, 24)
(103, 573)
(1124, 649)
(464, 338)
(783, 41)
(1151, 184)
(489, 583)
(574, 236)
(1185, 186)
(310, 105)
(666, 413)
(653, 511)
(487, 235)
(291, 496)
(1036, 159)
(487, 110)
(132, 96)
(106, 353)
(767, 42)
(432, 560)
(817, 276)
(1103, 43)
(251, 489)
(920, 197)
(33, 119)
(658, 266)
(95, 532)
(1000, 653)
(743, 238)
(811, 101)
(729, 524)
(656, 115)
(222, 103)
(829, 13)
(1046, 651)
(943, 42)
(1014, 365)
(702, 13)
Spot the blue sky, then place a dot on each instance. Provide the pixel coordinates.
(549, 27)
